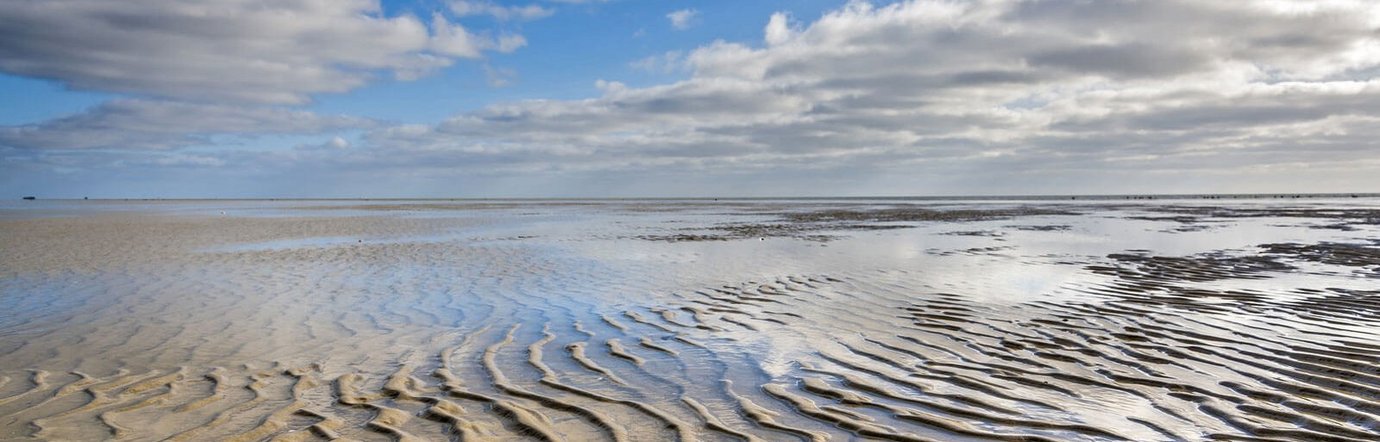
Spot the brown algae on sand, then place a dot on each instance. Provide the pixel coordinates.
(691, 320)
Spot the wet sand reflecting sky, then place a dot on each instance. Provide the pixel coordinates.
(703, 320)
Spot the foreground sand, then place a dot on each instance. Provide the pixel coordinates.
(690, 321)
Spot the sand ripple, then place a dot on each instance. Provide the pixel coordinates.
(495, 340)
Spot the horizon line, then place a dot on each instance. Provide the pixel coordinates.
(614, 198)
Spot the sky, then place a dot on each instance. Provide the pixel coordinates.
(669, 98)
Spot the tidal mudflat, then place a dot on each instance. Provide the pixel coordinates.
(691, 320)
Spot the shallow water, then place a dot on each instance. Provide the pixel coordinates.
(511, 320)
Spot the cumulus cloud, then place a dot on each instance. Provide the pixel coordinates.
(778, 29)
(161, 125)
(683, 18)
(279, 52)
(1009, 90)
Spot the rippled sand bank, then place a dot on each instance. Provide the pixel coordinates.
(657, 320)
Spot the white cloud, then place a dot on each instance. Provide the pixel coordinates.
(500, 12)
(452, 39)
(281, 51)
(663, 63)
(509, 43)
(778, 29)
(683, 18)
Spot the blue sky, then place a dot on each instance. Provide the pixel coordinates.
(473, 98)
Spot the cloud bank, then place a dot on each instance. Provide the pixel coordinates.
(163, 125)
(1004, 88)
(279, 52)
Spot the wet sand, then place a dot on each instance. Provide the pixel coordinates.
(691, 320)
